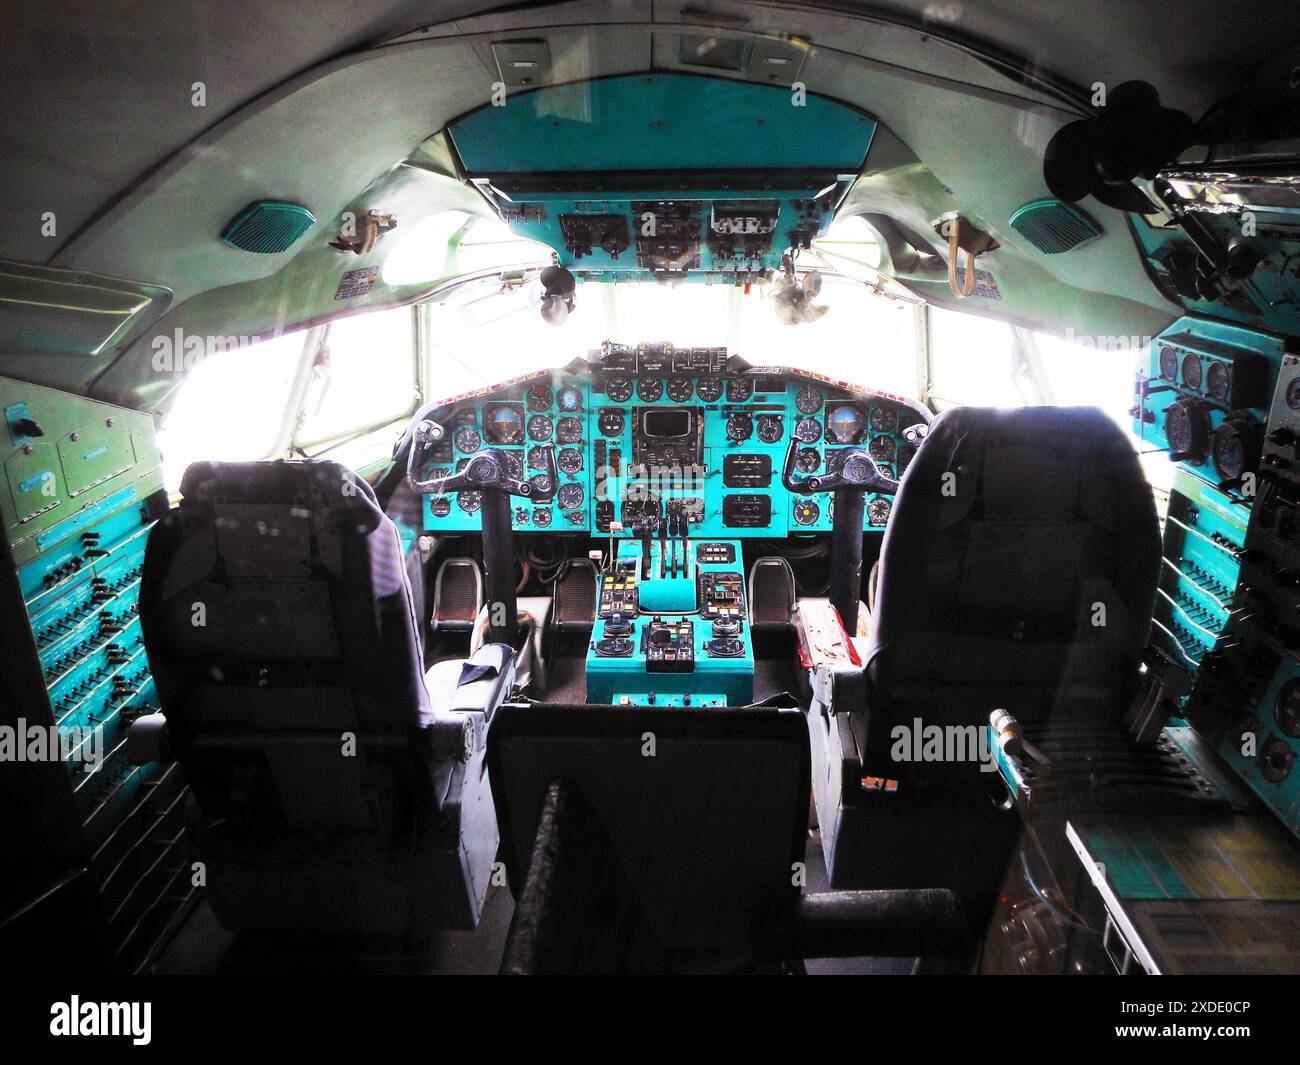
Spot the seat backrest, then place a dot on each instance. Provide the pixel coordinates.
(1018, 571)
(277, 617)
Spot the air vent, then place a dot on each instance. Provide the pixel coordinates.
(268, 226)
(1053, 227)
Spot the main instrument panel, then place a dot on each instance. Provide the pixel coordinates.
(637, 429)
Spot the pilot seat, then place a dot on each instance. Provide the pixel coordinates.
(1017, 573)
(333, 793)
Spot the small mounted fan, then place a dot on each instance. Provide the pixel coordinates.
(1132, 137)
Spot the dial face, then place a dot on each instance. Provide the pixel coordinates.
(806, 512)
(440, 506)
(540, 427)
(570, 460)
(649, 389)
(1168, 363)
(878, 511)
(844, 424)
(884, 419)
(611, 422)
(807, 460)
(739, 389)
(467, 439)
(1217, 382)
(1192, 372)
(569, 431)
(1293, 394)
(709, 389)
(570, 496)
(503, 423)
(541, 484)
(808, 400)
(680, 389)
(569, 398)
(882, 448)
(540, 397)
(541, 517)
(740, 427)
(1229, 452)
(770, 428)
(618, 389)
(1187, 428)
(808, 431)
(469, 501)
(1287, 709)
(514, 463)
(537, 458)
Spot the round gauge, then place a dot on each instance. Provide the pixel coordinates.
(739, 389)
(1217, 382)
(1187, 428)
(469, 501)
(1168, 363)
(808, 400)
(806, 512)
(1293, 394)
(878, 511)
(807, 460)
(649, 389)
(882, 448)
(844, 425)
(886, 470)
(770, 428)
(1236, 447)
(884, 419)
(570, 460)
(467, 439)
(680, 389)
(541, 483)
(618, 389)
(611, 422)
(709, 389)
(514, 463)
(541, 517)
(569, 431)
(570, 496)
(740, 427)
(1287, 708)
(1275, 760)
(440, 506)
(808, 431)
(1192, 372)
(540, 427)
(569, 398)
(540, 397)
(537, 458)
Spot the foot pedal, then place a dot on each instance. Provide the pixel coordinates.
(457, 595)
(574, 609)
(771, 594)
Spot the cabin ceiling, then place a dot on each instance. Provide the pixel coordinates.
(99, 127)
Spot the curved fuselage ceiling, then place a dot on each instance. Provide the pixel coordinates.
(960, 126)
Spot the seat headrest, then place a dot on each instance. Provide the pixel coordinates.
(316, 485)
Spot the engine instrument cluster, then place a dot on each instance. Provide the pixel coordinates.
(639, 428)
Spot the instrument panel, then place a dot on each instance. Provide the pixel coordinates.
(636, 427)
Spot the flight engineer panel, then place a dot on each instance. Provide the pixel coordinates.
(640, 432)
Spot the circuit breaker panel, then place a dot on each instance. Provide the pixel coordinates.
(83, 485)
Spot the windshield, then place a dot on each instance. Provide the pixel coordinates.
(483, 332)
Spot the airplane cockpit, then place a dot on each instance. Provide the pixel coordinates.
(568, 488)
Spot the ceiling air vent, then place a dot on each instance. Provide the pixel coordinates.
(268, 226)
(1053, 227)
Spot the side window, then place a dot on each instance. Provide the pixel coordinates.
(364, 376)
(231, 406)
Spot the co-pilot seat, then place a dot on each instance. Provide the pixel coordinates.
(1018, 572)
(333, 794)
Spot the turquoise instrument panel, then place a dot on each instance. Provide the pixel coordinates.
(637, 430)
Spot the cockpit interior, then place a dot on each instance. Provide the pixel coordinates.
(651, 488)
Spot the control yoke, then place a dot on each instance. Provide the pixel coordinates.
(856, 474)
(487, 472)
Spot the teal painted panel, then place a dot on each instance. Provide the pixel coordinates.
(662, 122)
